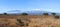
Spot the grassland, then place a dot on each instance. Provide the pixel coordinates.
(28, 21)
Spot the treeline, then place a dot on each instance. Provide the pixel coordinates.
(46, 14)
(28, 14)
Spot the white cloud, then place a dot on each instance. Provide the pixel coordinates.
(36, 9)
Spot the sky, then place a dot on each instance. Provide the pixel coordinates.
(30, 5)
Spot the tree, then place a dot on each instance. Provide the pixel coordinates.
(53, 14)
(5, 13)
(45, 14)
(24, 14)
(56, 17)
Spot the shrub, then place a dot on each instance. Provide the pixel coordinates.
(45, 14)
(24, 14)
(56, 17)
(20, 22)
(53, 14)
(5, 13)
(23, 21)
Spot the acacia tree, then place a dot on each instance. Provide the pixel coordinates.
(24, 14)
(45, 14)
(53, 14)
(5, 13)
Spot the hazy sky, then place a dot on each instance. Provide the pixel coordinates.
(30, 5)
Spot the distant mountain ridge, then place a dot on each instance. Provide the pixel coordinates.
(30, 12)
(14, 11)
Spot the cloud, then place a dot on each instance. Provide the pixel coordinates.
(33, 10)
(36, 9)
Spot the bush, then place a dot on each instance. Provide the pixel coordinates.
(24, 14)
(53, 14)
(45, 14)
(56, 17)
(20, 22)
(5, 13)
(23, 21)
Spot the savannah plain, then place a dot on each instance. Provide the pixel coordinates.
(29, 21)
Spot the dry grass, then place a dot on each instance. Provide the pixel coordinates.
(35, 21)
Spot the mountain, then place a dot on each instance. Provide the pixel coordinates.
(37, 12)
(14, 11)
(30, 12)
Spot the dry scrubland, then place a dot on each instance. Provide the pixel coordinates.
(29, 21)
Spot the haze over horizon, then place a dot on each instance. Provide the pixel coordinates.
(30, 5)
